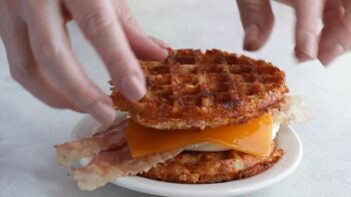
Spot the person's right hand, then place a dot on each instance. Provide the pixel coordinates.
(311, 42)
(42, 61)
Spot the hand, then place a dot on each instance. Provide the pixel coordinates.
(42, 61)
(311, 43)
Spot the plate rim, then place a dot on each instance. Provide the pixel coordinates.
(154, 187)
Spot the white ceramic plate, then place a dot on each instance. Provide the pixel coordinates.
(287, 139)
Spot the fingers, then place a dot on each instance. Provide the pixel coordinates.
(98, 21)
(308, 17)
(142, 45)
(24, 70)
(50, 46)
(335, 38)
(23, 67)
(257, 19)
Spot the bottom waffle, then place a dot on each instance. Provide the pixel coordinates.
(212, 167)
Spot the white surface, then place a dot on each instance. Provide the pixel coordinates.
(287, 139)
(29, 129)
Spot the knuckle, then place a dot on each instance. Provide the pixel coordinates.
(130, 19)
(249, 7)
(116, 64)
(311, 30)
(254, 12)
(88, 103)
(125, 13)
(307, 26)
(85, 95)
(96, 23)
(48, 48)
(20, 70)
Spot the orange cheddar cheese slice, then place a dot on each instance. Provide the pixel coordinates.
(253, 137)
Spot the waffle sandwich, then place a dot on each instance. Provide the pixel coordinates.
(207, 117)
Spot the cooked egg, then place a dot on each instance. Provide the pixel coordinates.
(209, 147)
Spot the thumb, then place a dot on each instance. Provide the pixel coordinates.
(257, 20)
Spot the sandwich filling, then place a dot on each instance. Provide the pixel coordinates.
(115, 154)
(214, 147)
(254, 137)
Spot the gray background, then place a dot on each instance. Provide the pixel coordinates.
(29, 129)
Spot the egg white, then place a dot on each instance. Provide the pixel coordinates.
(210, 147)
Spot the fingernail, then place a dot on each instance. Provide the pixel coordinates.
(301, 56)
(165, 53)
(104, 113)
(163, 45)
(133, 88)
(328, 55)
(251, 35)
(307, 47)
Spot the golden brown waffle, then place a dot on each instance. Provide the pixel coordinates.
(212, 167)
(192, 89)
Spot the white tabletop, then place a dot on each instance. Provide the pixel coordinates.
(29, 129)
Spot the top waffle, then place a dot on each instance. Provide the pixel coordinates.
(192, 89)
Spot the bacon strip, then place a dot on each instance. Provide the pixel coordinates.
(71, 152)
(107, 166)
(294, 110)
(110, 158)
